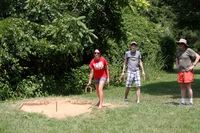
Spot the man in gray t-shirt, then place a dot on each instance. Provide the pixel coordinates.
(133, 58)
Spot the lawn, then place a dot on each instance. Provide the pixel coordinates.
(155, 113)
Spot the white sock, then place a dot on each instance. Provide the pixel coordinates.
(182, 100)
(191, 100)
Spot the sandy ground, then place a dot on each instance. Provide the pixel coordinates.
(59, 107)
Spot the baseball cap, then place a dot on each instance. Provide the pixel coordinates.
(133, 43)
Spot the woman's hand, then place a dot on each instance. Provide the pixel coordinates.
(89, 84)
(191, 68)
(108, 80)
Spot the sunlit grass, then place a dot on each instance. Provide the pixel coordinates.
(152, 115)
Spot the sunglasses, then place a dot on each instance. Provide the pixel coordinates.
(96, 53)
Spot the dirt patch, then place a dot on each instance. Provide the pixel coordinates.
(60, 107)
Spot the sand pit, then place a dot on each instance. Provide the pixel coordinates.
(59, 108)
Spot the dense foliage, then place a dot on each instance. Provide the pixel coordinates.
(46, 45)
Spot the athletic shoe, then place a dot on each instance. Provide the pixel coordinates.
(126, 100)
(138, 102)
(191, 104)
(183, 103)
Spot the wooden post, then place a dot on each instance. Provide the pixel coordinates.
(56, 106)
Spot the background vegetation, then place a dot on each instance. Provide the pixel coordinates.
(46, 45)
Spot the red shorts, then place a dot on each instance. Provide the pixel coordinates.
(186, 77)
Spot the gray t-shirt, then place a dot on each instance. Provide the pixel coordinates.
(133, 59)
(184, 58)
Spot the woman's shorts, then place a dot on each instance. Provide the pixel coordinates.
(96, 81)
(186, 77)
(133, 77)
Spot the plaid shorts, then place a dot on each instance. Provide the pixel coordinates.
(133, 77)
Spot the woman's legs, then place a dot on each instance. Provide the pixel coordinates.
(190, 92)
(183, 92)
(184, 87)
(99, 89)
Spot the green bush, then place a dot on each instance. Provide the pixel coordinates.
(29, 87)
(168, 48)
(46, 51)
(153, 64)
(6, 91)
(78, 79)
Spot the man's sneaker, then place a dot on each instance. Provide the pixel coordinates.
(183, 103)
(126, 100)
(138, 102)
(191, 104)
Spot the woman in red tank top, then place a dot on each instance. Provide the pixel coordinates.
(100, 72)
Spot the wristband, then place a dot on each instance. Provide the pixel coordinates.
(194, 65)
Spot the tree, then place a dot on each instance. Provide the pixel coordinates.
(47, 50)
(168, 49)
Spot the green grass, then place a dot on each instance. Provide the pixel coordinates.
(152, 115)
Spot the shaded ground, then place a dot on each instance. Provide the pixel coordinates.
(59, 107)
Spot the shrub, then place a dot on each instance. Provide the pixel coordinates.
(77, 79)
(6, 91)
(168, 49)
(153, 65)
(29, 87)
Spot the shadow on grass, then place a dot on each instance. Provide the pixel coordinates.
(175, 71)
(197, 71)
(166, 87)
(170, 88)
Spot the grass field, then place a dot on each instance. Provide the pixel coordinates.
(152, 115)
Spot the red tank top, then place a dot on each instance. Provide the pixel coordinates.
(99, 67)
